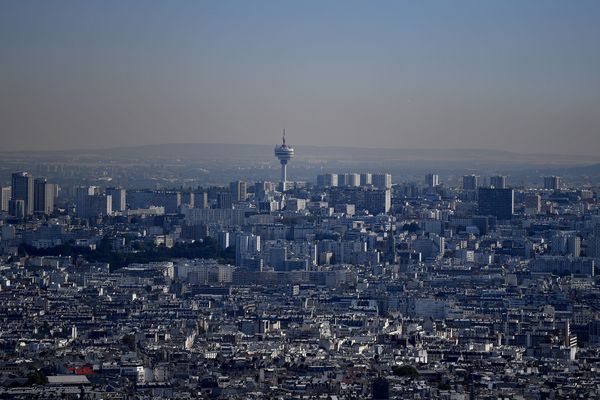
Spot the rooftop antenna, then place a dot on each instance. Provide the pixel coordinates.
(284, 136)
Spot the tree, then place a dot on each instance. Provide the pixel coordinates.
(36, 377)
(405, 370)
(129, 341)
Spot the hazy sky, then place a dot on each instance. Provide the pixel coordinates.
(515, 75)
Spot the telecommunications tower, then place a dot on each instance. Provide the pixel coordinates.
(284, 153)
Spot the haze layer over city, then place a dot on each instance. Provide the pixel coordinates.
(299, 200)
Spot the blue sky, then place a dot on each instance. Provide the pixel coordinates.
(512, 75)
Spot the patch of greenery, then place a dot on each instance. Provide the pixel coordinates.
(405, 371)
(206, 248)
(36, 378)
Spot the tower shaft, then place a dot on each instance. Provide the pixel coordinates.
(283, 177)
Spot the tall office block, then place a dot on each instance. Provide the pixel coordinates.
(22, 189)
(260, 191)
(342, 180)
(5, 198)
(327, 180)
(82, 200)
(498, 182)
(432, 180)
(200, 199)
(470, 182)
(366, 179)
(16, 208)
(119, 198)
(100, 205)
(277, 257)
(44, 195)
(223, 239)
(378, 201)
(574, 245)
(551, 182)
(238, 191)
(246, 244)
(382, 181)
(353, 180)
(188, 198)
(499, 203)
(224, 200)
(593, 248)
(533, 203)
(94, 205)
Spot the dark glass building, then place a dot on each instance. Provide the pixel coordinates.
(499, 203)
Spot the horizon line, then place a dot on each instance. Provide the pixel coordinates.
(89, 149)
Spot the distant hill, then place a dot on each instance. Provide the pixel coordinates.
(259, 152)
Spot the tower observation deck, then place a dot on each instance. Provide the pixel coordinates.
(284, 153)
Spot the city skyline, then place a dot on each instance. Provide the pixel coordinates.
(408, 283)
(426, 225)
